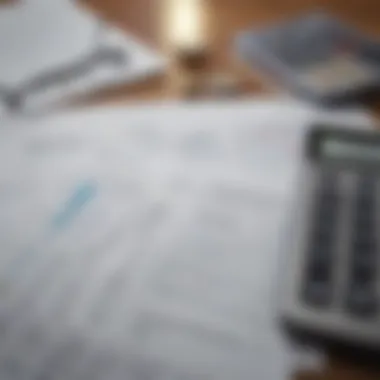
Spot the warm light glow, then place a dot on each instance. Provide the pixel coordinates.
(185, 24)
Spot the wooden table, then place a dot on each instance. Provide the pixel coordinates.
(223, 19)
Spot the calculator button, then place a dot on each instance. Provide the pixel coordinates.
(363, 257)
(317, 293)
(364, 210)
(362, 301)
(364, 216)
(363, 273)
(317, 288)
(328, 195)
(364, 234)
(325, 222)
(326, 216)
(363, 222)
(364, 199)
(328, 200)
(367, 180)
(363, 276)
(321, 252)
(328, 184)
(323, 233)
(366, 184)
(363, 228)
(363, 245)
(363, 260)
(328, 180)
(320, 263)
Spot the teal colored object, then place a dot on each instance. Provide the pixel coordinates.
(25, 260)
(81, 196)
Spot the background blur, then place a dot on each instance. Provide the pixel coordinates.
(197, 37)
(215, 23)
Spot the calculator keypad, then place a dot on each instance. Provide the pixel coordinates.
(360, 297)
(362, 273)
(318, 286)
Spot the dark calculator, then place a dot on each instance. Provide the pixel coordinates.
(331, 287)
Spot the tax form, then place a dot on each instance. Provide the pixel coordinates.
(142, 243)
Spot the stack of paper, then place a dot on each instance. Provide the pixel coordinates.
(52, 49)
(142, 243)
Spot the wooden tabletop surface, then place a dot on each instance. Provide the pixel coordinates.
(223, 18)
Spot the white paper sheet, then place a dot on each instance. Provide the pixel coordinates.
(49, 50)
(142, 243)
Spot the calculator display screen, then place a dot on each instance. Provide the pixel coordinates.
(334, 148)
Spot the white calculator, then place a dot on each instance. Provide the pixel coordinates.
(331, 283)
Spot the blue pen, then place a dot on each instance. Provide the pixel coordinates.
(82, 195)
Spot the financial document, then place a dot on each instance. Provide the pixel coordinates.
(142, 243)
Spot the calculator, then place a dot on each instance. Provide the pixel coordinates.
(330, 289)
